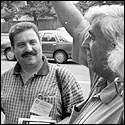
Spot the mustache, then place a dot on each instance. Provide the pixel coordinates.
(25, 54)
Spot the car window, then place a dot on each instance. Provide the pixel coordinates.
(61, 38)
(48, 37)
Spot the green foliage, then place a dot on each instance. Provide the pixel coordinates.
(41, 9)
(84, 5)
(8, 15)
(35, 9)
(9, 10)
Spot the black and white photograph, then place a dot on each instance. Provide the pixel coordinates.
(62, 62)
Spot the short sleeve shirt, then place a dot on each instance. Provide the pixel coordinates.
(17, 97)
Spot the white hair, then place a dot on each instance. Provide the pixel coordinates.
(109, 10)
(109, 26)
(113, 29)
(116, 59)
(111, 22)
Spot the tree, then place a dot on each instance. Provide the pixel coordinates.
(9, 10)
(84, 5)
(35, 9)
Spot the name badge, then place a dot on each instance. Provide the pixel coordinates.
(41, 107)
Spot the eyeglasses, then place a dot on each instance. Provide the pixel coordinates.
(119, 86)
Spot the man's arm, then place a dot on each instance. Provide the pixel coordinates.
(75, 23)
(68, 14)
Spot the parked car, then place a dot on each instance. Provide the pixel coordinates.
(54, 45)
(5, 47)
(65, 33)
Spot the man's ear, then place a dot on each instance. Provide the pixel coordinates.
(113, 45)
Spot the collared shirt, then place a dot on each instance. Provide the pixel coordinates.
(17, 97)
(103, 106)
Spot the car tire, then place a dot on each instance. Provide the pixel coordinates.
(9, 55)
(60, 56)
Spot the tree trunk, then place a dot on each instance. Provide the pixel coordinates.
(35, 18)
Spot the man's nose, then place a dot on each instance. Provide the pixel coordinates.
(28, 47)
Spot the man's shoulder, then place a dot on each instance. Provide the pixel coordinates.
(62, 72)
(8, 72)
(58, 67)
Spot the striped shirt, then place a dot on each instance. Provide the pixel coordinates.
(17, 97)
(103, 105)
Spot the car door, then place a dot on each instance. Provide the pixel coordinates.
(48, 40)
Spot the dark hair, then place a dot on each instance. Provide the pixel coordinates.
(20, 27)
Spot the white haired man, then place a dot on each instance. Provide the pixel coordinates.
(98, 32)
(116, 63)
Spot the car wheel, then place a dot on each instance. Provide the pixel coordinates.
(60, 57)
(9, 55)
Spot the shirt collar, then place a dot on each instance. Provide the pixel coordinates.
(108, 93)
(43, 71)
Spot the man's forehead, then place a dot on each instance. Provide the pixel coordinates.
(93, 29)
